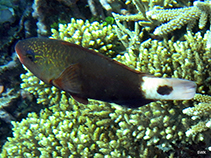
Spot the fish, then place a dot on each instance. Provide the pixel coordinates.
(86, 74)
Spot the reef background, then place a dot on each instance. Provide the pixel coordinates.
(164, 38)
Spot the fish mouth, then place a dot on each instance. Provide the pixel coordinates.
(18, 52)
(19, 56)
(21, 59)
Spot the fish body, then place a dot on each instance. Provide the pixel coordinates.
(87, 74)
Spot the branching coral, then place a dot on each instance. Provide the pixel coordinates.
(46, 94)
(145, 9)
(176, 18)
(64, 133)
(200, 114)
(131, 39)
(90, 35)
(141, 7)
(188, 59)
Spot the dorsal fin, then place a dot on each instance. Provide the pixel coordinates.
(99, 54)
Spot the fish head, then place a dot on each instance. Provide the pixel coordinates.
(34, 55)
(25, 54)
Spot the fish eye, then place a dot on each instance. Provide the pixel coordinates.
(30, 54)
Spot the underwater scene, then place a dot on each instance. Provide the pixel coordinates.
(105, 79)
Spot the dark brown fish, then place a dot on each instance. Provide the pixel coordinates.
(87, 74)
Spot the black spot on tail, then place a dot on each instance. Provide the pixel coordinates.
(164, 90)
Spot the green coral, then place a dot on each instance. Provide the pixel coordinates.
(200, 114)
(149, 14)
(95, 35)
(60, 132)
(45, 94)
(176, 18)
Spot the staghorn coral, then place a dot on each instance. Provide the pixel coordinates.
(141, 7)
(93, 35)
(150, 16)
(46, 94)
(176, 18)
(200, 114)
(140, 13)
(62, 133)
(130, 39)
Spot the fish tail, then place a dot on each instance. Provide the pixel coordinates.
(167, 88)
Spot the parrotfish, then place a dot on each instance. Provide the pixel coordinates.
(86, 74)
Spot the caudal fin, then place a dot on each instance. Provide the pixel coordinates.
(167, 88)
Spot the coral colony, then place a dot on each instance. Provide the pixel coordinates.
(67, 128)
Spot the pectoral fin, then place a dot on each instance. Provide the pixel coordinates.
(69, 79)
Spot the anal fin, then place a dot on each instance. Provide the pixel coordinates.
(81, 100)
